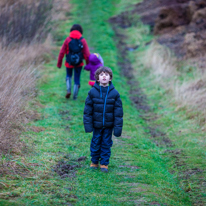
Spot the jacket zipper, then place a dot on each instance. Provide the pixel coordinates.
(105, 104)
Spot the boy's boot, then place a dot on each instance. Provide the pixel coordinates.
(94, 166)
(76, 89)
(69, 86)
(104, 168)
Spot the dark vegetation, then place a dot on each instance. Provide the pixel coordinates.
(23, 22)
(180, 24)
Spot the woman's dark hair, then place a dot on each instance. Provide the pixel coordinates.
(77, 27)
(105, 70)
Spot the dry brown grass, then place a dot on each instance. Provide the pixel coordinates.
(25, 21)
(188, 93)
(160, 60)
(19, 66)
(18, 70)
(12, 2)
(17, 87)
(192, 93)
(60, 8)
(17, 84)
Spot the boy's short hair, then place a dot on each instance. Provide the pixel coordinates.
(105, 70)
(77, 27)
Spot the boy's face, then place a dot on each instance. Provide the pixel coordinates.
(104, 78)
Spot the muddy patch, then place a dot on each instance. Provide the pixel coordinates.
(186, 172)
(160, 137)
(64, 169)
(83, 158)
(193, 171)
(67, 169)
(175, 152)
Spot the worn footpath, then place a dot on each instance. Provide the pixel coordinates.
(59, 174)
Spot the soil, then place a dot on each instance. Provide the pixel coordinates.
(67, 168)
(181, 24)
(178, 24)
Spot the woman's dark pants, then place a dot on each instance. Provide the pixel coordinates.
(77, 73)
(101, 145)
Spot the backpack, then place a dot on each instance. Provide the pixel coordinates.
(75, 56)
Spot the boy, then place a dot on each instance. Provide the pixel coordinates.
(103, 113)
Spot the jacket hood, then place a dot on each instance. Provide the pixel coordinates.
(97, 86)
(75, 34)
(94, 60)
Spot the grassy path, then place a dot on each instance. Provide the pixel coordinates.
(138, 172)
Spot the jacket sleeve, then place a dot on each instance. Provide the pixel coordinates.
(85, 51)
(61, 54)
(88, 114)
(118, 117)
(87, 67)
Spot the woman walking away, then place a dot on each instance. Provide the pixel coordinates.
(95, 61)
(76, 49)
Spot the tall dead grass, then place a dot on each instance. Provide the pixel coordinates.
(61, 9)
(20, 61)
(23, 45)
(23, 21)
(188, 93)
(160, 60)
(192, 93)
(16, 84)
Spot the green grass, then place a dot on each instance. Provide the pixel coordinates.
(139, 171)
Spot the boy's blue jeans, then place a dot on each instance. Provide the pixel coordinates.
(101, 145)
(77, 73)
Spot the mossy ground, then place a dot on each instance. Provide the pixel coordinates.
(139, 170)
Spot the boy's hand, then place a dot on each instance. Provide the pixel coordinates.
(117, 136)
(117, 132)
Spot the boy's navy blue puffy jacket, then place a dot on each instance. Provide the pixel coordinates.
(100, 112)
